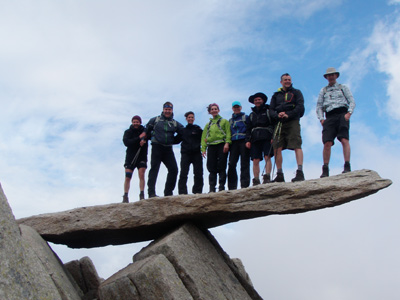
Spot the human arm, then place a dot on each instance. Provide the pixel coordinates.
(320, 106)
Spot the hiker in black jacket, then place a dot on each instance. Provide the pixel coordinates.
(190, 154)
(259, 135)
(136, 156)
(162, 130)
(287, 105)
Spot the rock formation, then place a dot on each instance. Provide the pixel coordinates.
(115, 224)
(183, 262)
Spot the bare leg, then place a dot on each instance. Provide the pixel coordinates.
(326, 153)
(278, 158)
(299, 156)
(256, 168)
(346, 149)
(141, 178)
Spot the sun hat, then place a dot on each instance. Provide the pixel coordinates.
(256, 95)
(331, 71)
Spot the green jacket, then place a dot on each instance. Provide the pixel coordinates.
(214, 134)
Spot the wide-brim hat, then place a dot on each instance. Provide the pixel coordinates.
(256, 95)
(331, 71)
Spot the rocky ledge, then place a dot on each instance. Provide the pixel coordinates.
(149, 219)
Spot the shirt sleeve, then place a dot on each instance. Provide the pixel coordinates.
(349, 96)
(320, 105)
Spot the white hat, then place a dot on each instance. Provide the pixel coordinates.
(331, 71)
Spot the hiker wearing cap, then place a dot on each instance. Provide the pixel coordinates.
(335, 106)
(287, 106)
(190, 154)
(136, 156)
(259, 136)
(215, 140)
(163, 130)
(238, 123)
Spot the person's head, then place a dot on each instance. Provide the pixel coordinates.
(331, 75)
(236, 107)
(189, 117)
(286, 81)
(213, 109)
(136, 121)
(168, 109)
(258, 99)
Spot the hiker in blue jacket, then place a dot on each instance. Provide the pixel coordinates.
(163, 130)
(239, 123)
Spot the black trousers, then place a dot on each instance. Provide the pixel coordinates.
(216, 165)
(238, 149)
(162, 154)
(187, 159)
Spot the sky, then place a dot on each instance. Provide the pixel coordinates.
(73, 73)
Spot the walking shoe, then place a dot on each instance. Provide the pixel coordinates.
(266, 178)
(256, 181)
(325, 171)
(299, 176)
(125, 199)
(141, 196)
(347, 167)
(279, 178)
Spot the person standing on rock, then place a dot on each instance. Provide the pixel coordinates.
(136, 156)
(287, 106)
(335, 106)
(259, 135)
(239, 123)
(191, 154)
(216, 139)
(163, 130)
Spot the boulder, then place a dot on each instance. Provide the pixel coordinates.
(85, 275)
(187, 263)
(149, 219)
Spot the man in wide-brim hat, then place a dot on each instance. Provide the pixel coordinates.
(335, 106)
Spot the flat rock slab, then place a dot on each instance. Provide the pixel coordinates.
(121, 223)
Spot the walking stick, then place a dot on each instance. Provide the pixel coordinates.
(277, 131)
(136, 156)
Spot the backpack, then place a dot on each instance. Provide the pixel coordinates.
(219, 127)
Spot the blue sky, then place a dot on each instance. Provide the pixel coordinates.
(73, 73)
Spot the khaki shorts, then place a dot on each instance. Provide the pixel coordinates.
(290, 137)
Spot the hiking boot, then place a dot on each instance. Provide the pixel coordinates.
(153, 196)
(212, 189)
(141, 196)
(256, 181)
(125, 199)
(279, 178)
(221, 188)
(325, 171)
(266, 178)
(347, 167)
(299, 176)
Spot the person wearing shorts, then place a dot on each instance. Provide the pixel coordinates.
(335, 106)
(259, 135)
(136, 156)
(287, 106)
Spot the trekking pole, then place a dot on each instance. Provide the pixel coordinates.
(277, 130)
(136, 156)
(276, 142)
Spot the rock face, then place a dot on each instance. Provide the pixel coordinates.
(185, 264)
(29, 268)
(149, 219)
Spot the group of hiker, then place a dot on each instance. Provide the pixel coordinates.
(264, 133)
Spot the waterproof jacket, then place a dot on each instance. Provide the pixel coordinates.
(163, 130)
(261, 124)
(239, 124)
(291, 102)
(217, 131)
(191, 138)
(132, 142)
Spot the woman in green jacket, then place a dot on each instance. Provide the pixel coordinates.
(215, 139)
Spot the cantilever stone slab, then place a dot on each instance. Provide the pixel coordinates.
(116, 224)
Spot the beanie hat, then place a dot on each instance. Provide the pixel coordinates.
(137, 118)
